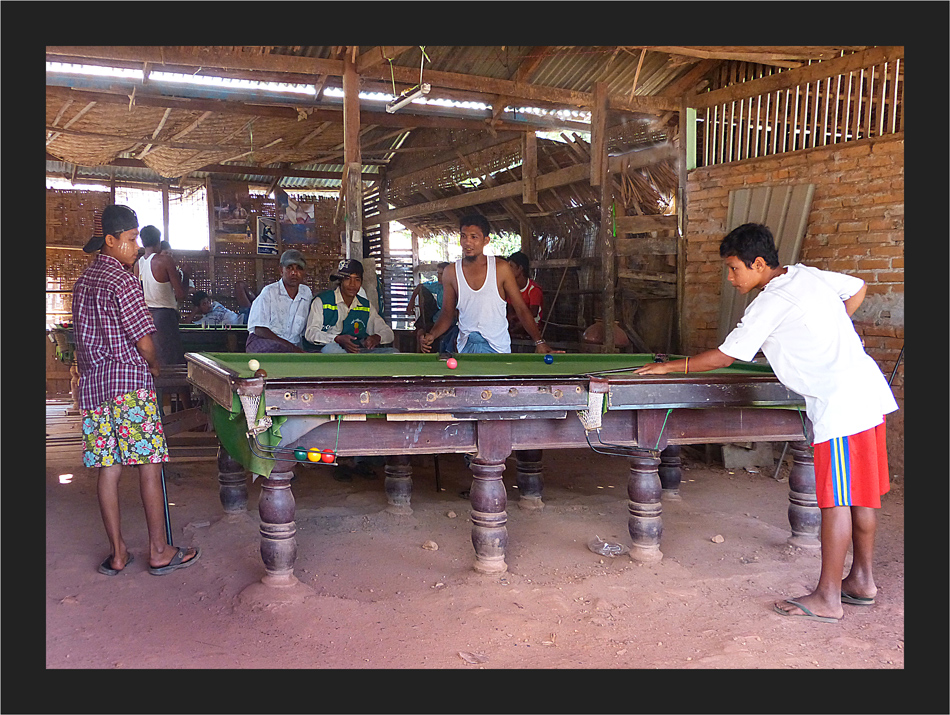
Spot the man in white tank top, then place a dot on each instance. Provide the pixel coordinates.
(480, 287)
(161, 284)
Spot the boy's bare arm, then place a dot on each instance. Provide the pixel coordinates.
(854, 302)
(709, 360)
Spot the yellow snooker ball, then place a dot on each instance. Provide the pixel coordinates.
(314, 454)
(253, 364)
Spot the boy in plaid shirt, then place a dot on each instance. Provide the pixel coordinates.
(122, 424)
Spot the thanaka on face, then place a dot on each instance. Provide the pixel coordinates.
(124, 247)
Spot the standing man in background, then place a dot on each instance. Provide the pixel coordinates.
(163, 288)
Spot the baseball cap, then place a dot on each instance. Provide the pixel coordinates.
(113, 221)
(292, 257)
(348, 267)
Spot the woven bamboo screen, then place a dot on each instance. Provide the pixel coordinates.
(70, 215)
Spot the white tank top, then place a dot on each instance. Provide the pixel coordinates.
(482, 310)
(157, 295)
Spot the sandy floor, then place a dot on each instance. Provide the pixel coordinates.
(372, 595)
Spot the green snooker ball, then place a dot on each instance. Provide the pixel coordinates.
(300, 455)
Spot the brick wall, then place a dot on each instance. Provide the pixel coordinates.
(856, 226)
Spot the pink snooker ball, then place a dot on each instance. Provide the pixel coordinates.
(451, 363)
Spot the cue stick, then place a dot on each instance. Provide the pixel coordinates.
(780, 460)
(168, 521)
(558, 291)
(895, 366)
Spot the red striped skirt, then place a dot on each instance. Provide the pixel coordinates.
(852, 471)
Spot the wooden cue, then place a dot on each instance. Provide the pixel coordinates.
(558, 291)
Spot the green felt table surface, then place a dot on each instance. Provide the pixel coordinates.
(317, 365)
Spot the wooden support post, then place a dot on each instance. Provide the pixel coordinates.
(212, 231)
(165, 220)
(682, 165)
(352, 188)
(529, 169)
(598, 130)
(354, 211)
(599, 176)
(384, 228)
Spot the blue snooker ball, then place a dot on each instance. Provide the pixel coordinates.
(548, 358)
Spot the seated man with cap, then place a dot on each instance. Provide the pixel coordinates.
(343, 321)
(279, 314)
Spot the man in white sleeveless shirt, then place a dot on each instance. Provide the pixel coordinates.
(163, 288)
(480, 288)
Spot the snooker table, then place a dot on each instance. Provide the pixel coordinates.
(197, 338)
(213, 338)
(489, 406)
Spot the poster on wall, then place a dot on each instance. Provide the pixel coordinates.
(231, 208)
(266, 236)
(297, 223)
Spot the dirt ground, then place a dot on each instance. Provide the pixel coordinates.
(371, 594)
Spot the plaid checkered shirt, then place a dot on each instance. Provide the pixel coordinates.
(109, 318)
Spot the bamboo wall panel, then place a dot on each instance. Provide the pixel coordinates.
(863, 103)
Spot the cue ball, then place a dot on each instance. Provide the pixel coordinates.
(451, 363)
(253, 364)
(314, 454)
(549, 359)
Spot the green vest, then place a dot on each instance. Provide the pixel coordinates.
(356, 321)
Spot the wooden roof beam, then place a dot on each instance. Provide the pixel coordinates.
(216, 57)
(796, 77)
(379, 55)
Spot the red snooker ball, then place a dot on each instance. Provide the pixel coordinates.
(328, 456)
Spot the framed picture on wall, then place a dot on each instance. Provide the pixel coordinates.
(266, 236)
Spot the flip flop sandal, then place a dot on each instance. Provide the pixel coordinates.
(176, 563)
(806, 614)
(856, 600)
(106, 566)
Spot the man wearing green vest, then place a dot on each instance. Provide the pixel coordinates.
(343, 321)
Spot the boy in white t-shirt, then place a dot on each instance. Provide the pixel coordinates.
(801, 321)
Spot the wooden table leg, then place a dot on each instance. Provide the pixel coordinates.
(489, 516)
(529, 479)
(232, 483)
(398, 484)
(804, 516)
(671, 471)
(278, 528)
(645, 522)
(488, 497)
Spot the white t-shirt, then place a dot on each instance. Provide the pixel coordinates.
(799, 321)
(275, 309)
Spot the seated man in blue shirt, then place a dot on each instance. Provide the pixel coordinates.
(279, 314)
(211, 312)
